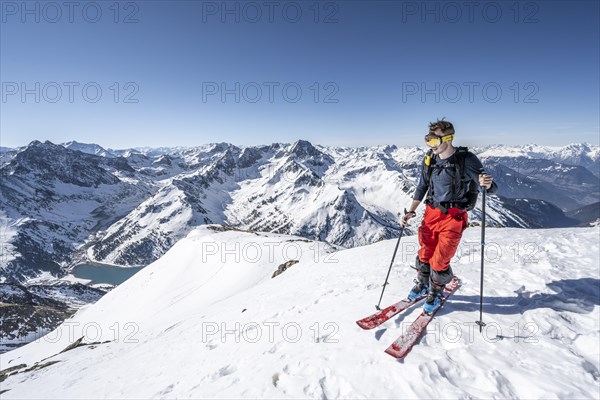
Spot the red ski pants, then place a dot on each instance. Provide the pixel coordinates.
(439, 236)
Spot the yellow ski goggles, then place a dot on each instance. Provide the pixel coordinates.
(434, 140)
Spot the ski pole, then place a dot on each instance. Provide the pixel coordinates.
(480, 322)
(391, 263)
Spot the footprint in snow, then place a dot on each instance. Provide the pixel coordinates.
(165, 391)
(226, 370)
(272, 350)
(211, 345)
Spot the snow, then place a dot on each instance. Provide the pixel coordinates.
(47, 278)
(206, 320)
(8, 233)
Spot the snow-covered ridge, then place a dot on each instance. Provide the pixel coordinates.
(206, 320)
(562, 153)
(559, 153)
(88, 148)
(572, 153)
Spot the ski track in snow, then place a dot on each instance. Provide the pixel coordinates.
(542, 299)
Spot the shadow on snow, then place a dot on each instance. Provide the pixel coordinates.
(574, 295)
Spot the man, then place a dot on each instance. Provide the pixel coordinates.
(448, 199)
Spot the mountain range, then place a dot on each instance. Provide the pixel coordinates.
(64, 204)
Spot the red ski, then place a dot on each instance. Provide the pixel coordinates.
(402, 346)
(374, 320)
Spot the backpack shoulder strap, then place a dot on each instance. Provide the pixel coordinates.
(428, 164)
(461, 154)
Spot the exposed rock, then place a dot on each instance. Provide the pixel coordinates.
(283, 267)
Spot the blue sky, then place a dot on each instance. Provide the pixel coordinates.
(351, 73)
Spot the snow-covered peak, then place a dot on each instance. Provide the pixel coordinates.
(89, 148)
(304, 149)
(48, 162)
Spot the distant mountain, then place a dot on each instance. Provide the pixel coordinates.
(580, 154)
(54, 198)
(88, 148)
(65, 204)
(538, 213)
(567, 186)
(587, 215)
(182, 203)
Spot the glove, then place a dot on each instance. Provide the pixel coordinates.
(407, 216)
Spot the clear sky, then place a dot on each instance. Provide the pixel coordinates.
(183, 73)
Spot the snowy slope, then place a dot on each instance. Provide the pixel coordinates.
(296, 333)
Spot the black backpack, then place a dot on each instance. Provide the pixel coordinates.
(459, 172)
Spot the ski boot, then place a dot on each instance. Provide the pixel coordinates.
(419, 290)
(422, 282)
(434, 298)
